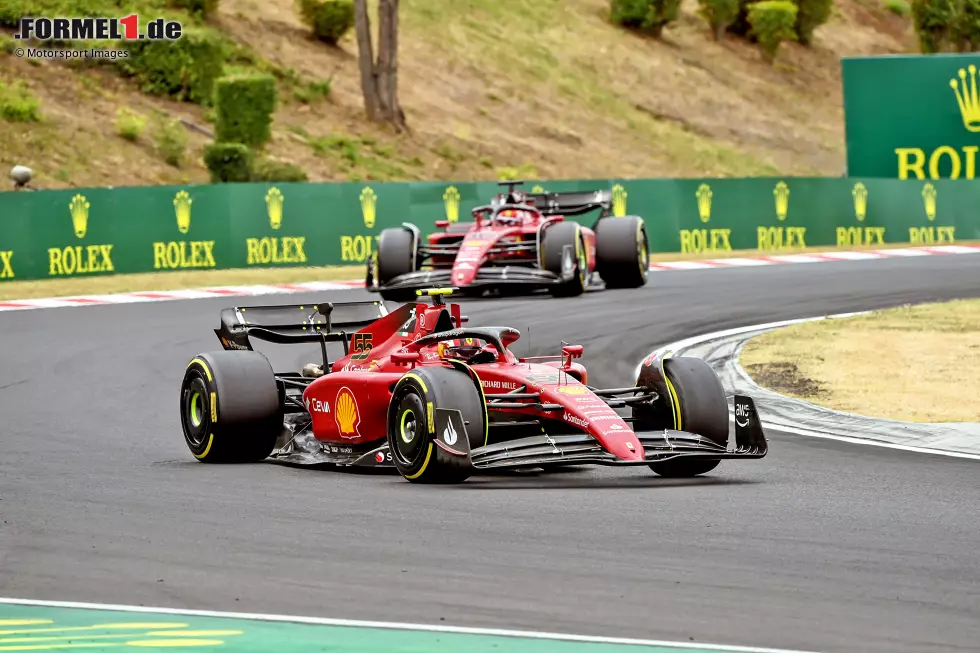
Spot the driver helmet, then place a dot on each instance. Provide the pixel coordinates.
(460, 348)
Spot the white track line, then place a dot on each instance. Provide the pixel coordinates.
(321, 621)
(696, 340)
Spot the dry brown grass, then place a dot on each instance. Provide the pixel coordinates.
(914, 363)
(545, 86)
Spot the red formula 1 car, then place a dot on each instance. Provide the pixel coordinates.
(519, 241)
(417, 390)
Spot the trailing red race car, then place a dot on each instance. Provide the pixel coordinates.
(520, 241)
(439, 401)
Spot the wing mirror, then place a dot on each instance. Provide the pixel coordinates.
(442, 224)
(405, 357)
(569, 352)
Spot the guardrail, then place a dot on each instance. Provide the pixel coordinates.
(58, 233)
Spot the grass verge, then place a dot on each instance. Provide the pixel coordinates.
(913, 363)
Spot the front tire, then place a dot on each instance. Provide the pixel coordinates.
(622, 253)
(555, 239)
(699, 406)
(397, 255)
(412, 429)
(229, 407)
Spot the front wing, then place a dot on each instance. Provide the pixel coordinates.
(485, 277)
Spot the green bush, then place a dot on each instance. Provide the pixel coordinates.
(719, 14)
(185, 69)
(18, 104)
(129, 125)
(932, 20)
(811, 14)
(647, 16)
(277, 171)
(965, 31)
(329, 19)
(773, 21)
(244, 105)
(898, 7)
(228, 162)
(170, 137)
(199, 8)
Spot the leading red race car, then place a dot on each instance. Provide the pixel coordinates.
(520, 241)
(440, 401)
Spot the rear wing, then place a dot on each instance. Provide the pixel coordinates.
(297, 323)
(572, 203)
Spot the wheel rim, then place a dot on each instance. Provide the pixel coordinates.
(410, 429)
(194, 414)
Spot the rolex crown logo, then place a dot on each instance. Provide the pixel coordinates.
(860, 195)
(929, 199)
(369, 206)
(451, 199)
(273, 202)
(79, 207)
(619, 201)
(781, 192)
(538, 189)
(967, 98)
(182, 207)
(704, 194)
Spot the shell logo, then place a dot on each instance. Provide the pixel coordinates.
(347, 414)
(573, 389)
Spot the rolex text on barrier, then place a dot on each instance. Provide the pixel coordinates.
(99, 231)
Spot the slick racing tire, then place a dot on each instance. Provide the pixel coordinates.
(396, 256)
(418, 450)
(229, 407)
(701, 407)
(553, 242)
(621, 251)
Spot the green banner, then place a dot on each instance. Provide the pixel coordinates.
(912, 117)
(78, 232)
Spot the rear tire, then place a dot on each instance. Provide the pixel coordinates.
(396, 255)
(622, 253)
(554, 240)
(229, 407)
(411, 425)
(703, 409)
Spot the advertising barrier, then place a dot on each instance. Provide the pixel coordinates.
(912, 116)
(98, 231)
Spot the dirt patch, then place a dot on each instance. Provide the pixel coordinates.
(912, 363)
(785, 378)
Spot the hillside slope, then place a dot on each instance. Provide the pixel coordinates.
(548, 87)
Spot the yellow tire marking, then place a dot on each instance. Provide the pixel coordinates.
(419, 379)
(207, 370)
(214, 408)
(204, 454)
(431, 419)
(676, 401)
(425, 465)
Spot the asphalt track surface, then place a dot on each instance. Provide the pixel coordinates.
(820, 546)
